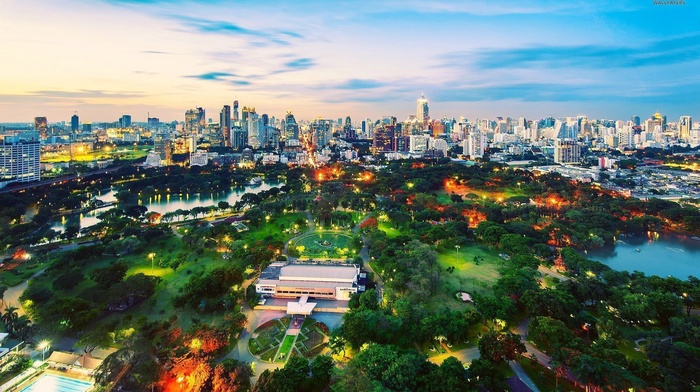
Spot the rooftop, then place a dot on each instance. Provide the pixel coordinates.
(321, 272)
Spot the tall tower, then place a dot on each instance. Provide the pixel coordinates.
(225, 125)
(235, 111)
(422, 109)
(685, 124)
(74, 123)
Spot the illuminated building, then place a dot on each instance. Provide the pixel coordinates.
(383, 140)
(42, 125)
(19, 160)
(225, 125)
(422, 112)
(334, 282)
(163, 147)
(194, 121)
(235, 111)
(474, 144)
(290, 127)
(239, 138)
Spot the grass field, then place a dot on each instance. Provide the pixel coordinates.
(286, 347)
(340, 245)
(390, 231)
(279, 228)
(467, 275)
(443, 196)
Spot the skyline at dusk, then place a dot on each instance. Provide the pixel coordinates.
(515, 58)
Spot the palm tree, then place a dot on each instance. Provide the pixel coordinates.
(9, 317)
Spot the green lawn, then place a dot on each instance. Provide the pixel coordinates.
(443, 196)
(279, 228)
(390, 231)
(467, 275)
(286, 347)
(339, 245)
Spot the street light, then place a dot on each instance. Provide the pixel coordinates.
(151, 255)
(267, 219)
(43, 346)
(457, 247)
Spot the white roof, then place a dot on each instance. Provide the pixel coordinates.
(298, 308)
(320, 272)
(303, 284)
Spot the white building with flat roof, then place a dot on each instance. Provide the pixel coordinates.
(334, 282)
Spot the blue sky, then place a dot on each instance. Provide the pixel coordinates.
(357, 58)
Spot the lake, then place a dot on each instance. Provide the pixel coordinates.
(659, 254)
(163, 204)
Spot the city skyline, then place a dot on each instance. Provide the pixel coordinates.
(533, 59)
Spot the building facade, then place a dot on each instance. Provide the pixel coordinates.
(19, 160)
(332, 282)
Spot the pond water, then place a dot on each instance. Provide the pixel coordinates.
(163, 204)
(654, 254)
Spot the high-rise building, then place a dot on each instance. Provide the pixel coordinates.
(348, 130)
(74, 123)
(163, 147)
(247, 112)
(636, 121)
(474, 144)
(290, 127)
(225, 125)
(239, 138)
(19, 160)
(422, 113)
(87, 127)
(383, 140)
(125, 121)
(153, 122)
(195, 121)
(685, 125)
(235, 111)
(566, 151)
(41, 125)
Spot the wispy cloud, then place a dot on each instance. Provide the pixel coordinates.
(300, 63)
(154, 52)
(658, 53)
(360, 84)
(212, 76)
(210, 26)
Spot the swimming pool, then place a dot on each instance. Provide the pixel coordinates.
(55, 383)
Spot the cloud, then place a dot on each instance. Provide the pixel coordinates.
(209, 26)
(154, 52)
(241, 83)
(360, 84)
(85, 94)
(659, 53)
(300, 63)
(212, 76)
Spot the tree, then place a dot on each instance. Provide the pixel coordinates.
(94, 338)
(321, 370)
(497, 347)
(106, 277)
(231, 376)
(133, 367)
(484, 375)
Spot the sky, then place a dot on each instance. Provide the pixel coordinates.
(365, 58)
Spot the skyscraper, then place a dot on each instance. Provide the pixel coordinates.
(194, 121)
(225, 125)
(422, 113)
(125, 121)
(235, 111)
(19, 160)
(41, 125)
(74, 123)
(566, 151)
(636, 121)
(291, 128)
(685, 124)
(383, 138)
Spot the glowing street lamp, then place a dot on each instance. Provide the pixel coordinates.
(44, 346)
(267, 219)
(151, 255)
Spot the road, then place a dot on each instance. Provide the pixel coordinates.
(547, 271)
(466, 356)
(12, 295)
(543, 359)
